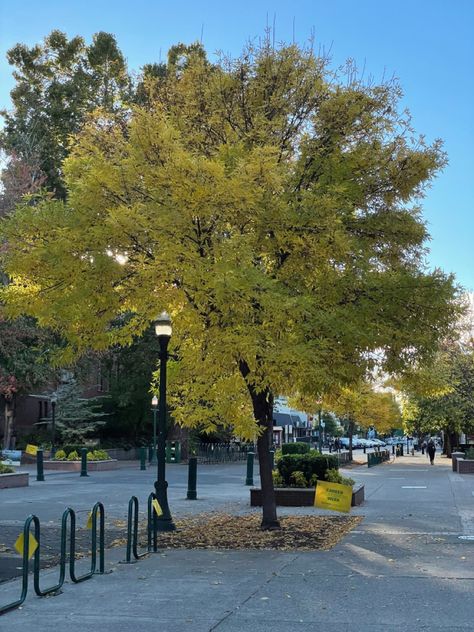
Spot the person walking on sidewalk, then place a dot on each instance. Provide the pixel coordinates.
(431, 450)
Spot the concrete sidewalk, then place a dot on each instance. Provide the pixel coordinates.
(408, 566)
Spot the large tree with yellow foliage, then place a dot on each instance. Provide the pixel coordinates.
(271, 207)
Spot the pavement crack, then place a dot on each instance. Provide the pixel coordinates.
(253, 593)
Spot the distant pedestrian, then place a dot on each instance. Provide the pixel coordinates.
(431, 450)
(423, 447)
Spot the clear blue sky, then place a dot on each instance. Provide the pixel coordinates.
(427, 44)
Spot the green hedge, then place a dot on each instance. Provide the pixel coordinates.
(309, 464)
(295, 448)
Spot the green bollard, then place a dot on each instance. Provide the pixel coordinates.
(84, 462)
(143, 458)
(249, 479)
(272, 458)
(39, 466)
(192, 478)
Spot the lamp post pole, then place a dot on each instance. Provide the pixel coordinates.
(53, 426)
(163, 331)
(154, 410)
(320, 439)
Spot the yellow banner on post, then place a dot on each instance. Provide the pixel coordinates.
(31, 449)
(32, 544)
(157, 507)
(333, 496)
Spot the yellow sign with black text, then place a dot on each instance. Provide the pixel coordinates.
(333, 496)
(31, 449)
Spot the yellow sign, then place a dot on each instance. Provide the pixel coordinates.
(32, 544)
(89, 520)
(157, 507)
(31, 449)
(333, 496)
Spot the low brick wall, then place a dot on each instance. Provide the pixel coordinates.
(75, 466)
(299, 497)
(454, 457)
(465, 466)
(17, 479)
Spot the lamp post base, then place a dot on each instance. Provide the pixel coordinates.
(165, 521)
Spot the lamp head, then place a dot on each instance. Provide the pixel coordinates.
(163, 325)
(154, 401)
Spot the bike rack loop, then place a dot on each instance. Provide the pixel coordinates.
(97, 512)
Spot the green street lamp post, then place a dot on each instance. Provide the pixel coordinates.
(163, 331)
(154, 410)
(53, 401)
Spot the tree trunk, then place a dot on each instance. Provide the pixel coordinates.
(263, 411)
(262, 403)
(350, 432)
(7, 435)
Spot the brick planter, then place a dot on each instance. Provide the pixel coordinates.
(465, 466)
(299, 497)
(17, 479)
(454, 457)
(75, 466)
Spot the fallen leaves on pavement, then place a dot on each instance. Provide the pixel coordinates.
(223, 531)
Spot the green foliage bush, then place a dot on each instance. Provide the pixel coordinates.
(298, 479)
(277, 479)
(295, 448)
(100, 455)
(91, 456)
(73, 456)
(334, 476)
(60, 455)
(6, 469)
(469, 454)
(312, 464)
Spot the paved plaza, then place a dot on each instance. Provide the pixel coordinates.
(409, 565)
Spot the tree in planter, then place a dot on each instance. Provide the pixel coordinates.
(271, 209)
(77, 418)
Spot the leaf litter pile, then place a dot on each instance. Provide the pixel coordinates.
(224, 531)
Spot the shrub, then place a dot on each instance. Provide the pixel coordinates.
(6, 469)
(313, 480)
(295, 448)
(91, 456)
(73, 456)
(68, 448)
(469, 454)
(101, 455)
(277, 455)
(298, 479)
(277, 479)
(310, 464)
(60, 455)
(334, 476)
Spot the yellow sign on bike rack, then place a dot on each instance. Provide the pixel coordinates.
(333, 496)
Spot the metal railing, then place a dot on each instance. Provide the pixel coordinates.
(221, 452)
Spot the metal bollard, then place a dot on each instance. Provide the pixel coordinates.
(143, 458)
(272, 457)
(192, 478)
(250, 458)
(39, 466)
(84, 462)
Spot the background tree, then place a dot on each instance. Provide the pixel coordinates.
(441, 397)
(57, 83)
(77, 418)
(272, 208)
(361, 405)
(25, 354)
